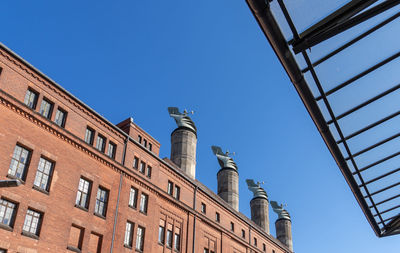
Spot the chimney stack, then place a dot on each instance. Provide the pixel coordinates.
(228, 178)
(283, 225)
(183, 142)
(259, 205)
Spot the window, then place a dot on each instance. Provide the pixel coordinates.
(142, 167)
(273, 251)
(135, 162)
(75, 238)
(2, 250)
(46, 108)
(264, 247)
(140, 139)
(95, 242)
(177, 240)
(89, 136)
(128, 234)
(83, 194)
(101, 143)
(169, 237)
(43, 174)
(33, 221)
(217, 217)
(111, 150)
(177, 192)
(203, 208)
(243, 234)
(19, 162)
(232, 227)
(140, 239)
(255, 241)
(101, 202)
(143, 203)
(148, 171)
(145, 143)
(206, 250)
(170, 188)
(133, 197)
(161, 232)
(150, 146)
(61, 117)
(8, 210)
(31, 98)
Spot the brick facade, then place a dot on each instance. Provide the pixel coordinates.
(65, 226)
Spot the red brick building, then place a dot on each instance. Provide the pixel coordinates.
(91, 186)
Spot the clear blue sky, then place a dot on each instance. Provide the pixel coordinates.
(135, 58)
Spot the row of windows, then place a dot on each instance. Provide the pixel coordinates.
(144, 199)
(8, 213)
(145, 143)
(129, 232)
(171, 238)
(100, 142)
(174, 191)
(146, 170)
(46, 107)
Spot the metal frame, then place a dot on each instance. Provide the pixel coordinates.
(350, 15)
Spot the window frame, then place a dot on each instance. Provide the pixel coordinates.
(169, 240)
(129, 233)
(170, 188)
(88, 193)
(26, 164)
(142, 167)
(98, 201)
(203, 208)
(217, 217)
(35, 100)
(41, 173)
(13, 214)
(232, 226)
(149, 171)
(135, 198)
(50, 109)
(64, 118)
(103, 142)
(135, 164)
(93, 133)
(243, 234)
(177, 192)
(140, 238)
(143, 207)
(114, 149)
(161, 231)
(39, 221)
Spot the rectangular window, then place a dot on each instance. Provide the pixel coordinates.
(217, 217)
(135, 162)
(206, 250)
(243, 234)
(150, 146)
(170, 188)
(46, 108)
(8, 210)
(33, 222)
(140, 239)
(19, 162)
(264, 247)
(111, 150)
(83, 194)
(145, 143)
(133, 197)
(140, 139)
(101, 143)
(177, 240)
(95, 242)
(142, 167)
(169, 237)
(203, 208)
(89, 136)
(161, 232)
(101, 202)
(43, 174)
(128, 234)
(144, 198)
(75, 238)
(31, 98)
(273, 251)
(2, 250)
(255, 241)
(148, 174)
(61, 117)
(232, 227)
(177, 192)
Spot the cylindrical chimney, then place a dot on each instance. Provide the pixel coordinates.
(283, 225)
(259, 205)
(284, 232)
(228, 186)
(183, 142)
(183, 150)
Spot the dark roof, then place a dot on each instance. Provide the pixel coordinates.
(343, 59)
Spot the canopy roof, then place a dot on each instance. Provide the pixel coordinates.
(343, 58)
